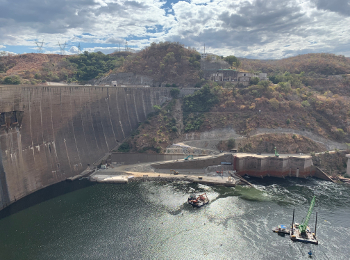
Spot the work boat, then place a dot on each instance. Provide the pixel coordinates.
(281, 229)
(198, 201)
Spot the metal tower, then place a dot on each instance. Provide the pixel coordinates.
(40, 46)
(63, 47)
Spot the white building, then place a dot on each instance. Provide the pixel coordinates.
(204, 56)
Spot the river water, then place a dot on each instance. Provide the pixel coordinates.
(150, 220)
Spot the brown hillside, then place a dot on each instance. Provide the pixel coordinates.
(166, 62)
(249, 108)
(266, 143)
(320, 63)
(31, 62)
(298, 109)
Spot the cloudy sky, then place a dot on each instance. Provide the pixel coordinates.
(264, 29)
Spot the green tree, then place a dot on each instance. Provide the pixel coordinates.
(254, 81)
(231, 143)
(264, 83)
(124, 147)
(285, 87)
(233, 61)
(340, 133)
(94, 65)
(305, 103)
(274, 103)
(157, 108)
(175, 92)
(12, 80)
(201, 101)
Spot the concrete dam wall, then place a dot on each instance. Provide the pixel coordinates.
(50, 133)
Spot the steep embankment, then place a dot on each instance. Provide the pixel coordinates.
(266, 143)
(50, 133)
(312, 102)
(331, 162)
(290, 104)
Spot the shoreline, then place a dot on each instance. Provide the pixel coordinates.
(131, 176)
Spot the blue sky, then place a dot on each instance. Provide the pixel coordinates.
(262, 29)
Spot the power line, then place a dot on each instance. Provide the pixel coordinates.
(63, 47)
(40, 46)
(126, 46)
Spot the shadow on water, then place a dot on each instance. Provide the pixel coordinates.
(44, 194)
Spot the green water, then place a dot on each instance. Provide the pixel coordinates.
(150, 220)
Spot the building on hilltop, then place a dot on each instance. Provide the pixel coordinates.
(210, 56)
(233, 76)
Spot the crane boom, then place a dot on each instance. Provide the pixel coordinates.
(302, 227)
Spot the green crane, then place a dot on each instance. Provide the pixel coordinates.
(302, 227)
(276, 153)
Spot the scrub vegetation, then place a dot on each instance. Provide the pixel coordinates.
(308, 92)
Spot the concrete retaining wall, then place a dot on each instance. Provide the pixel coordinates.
(132, 158)
(198, 163)
(261, 166)
(252, 165)
(59, 130)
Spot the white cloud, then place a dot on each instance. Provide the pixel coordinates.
(105, 50)
(254, 28)
(74, 49)
(7, 53)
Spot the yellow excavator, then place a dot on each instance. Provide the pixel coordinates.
(175, 172)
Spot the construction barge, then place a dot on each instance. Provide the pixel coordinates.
(300, 232)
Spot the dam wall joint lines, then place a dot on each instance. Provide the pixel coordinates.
(50, 133)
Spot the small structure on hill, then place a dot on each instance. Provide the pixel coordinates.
(234, 76)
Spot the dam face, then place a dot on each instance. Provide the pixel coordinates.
(49, 133)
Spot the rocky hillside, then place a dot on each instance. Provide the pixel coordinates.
(331, 162)
(166, 62)
(266, 143)
(157, 132)
(317, 103)
(29, 68)
(35, 68)
(314, 63)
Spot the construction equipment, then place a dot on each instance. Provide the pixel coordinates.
(301, 232)
(303, 226)
(188, 157)
(276, 153)
(174, 172)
